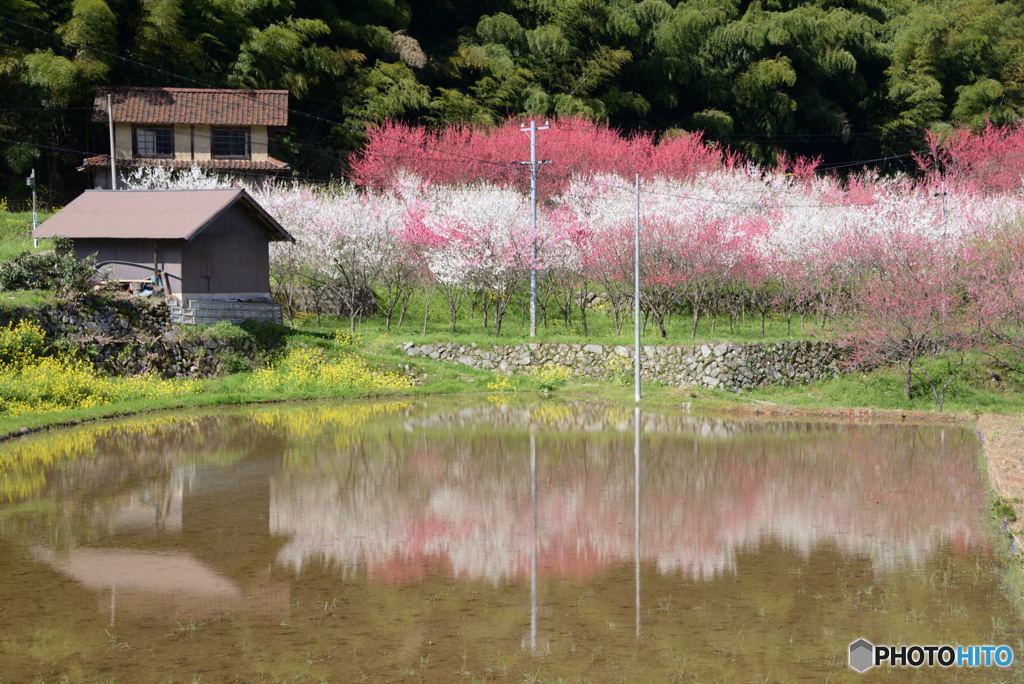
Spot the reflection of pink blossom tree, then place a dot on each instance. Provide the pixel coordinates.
(450, 507)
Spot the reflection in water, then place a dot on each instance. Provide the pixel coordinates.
(419, 531)
(459, 509)
(636, 510)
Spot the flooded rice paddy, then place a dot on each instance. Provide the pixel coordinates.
(439, 541)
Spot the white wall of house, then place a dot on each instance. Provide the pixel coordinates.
(182, 142)
(192, 142)
(258, 143)
(123, 140)
(202, 141)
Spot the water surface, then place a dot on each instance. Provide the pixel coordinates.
(430, 541)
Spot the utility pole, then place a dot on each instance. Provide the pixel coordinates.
(636, 296)
(31, 182)
(532, 130)
(941, 194)
(113, 150)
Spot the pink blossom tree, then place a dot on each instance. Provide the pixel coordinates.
(909, 305)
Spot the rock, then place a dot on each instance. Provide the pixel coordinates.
(593, 349)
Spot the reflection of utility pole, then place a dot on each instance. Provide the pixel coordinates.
(636, 511)
(533, 163)
(533, 546)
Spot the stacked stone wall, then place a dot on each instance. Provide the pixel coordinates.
(131, 336)
(733, 367)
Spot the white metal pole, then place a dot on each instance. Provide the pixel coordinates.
(533, 229)
(942, 227)
(636, 296)
(35, 214)
(532, 131)
(113, 150)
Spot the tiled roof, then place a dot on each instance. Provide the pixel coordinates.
(219, 107)
(269, 165)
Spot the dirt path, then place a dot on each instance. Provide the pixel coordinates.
(1003, 440)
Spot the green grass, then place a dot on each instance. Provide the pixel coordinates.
(601, 326)
(16, 233)
(975, 392)
(11, 299)
(439, 378)
(880, 389)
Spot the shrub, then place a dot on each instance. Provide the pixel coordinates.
(347, 339)
(550, 376)
(308, 369)
(501, 384)
(32, 381)
(619, 369)
(20, 343)
(59, 383)
(58, 270)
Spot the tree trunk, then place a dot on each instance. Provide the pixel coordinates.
(405, 309)
(908, 375)
(696, 319)
(426, 309)
(583, 309)
(500, 306)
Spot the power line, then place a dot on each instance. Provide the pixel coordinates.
(45, 147)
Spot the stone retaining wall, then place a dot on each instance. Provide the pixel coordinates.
(94, 316)
(725, 366)
(131, 336)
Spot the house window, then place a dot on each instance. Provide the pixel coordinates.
(230, 143)
(153, 141)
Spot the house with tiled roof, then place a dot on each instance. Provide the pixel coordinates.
(217, 129)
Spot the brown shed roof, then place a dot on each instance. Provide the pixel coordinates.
(215, 106)
(159, 214)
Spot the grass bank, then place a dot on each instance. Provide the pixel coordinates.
(16, 233)
(1002, 440)
(874, 396)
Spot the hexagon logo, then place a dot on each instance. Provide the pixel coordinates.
(862, 655)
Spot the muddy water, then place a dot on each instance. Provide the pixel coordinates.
(435, 541)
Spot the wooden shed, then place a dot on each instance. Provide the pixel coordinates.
(209, 249)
